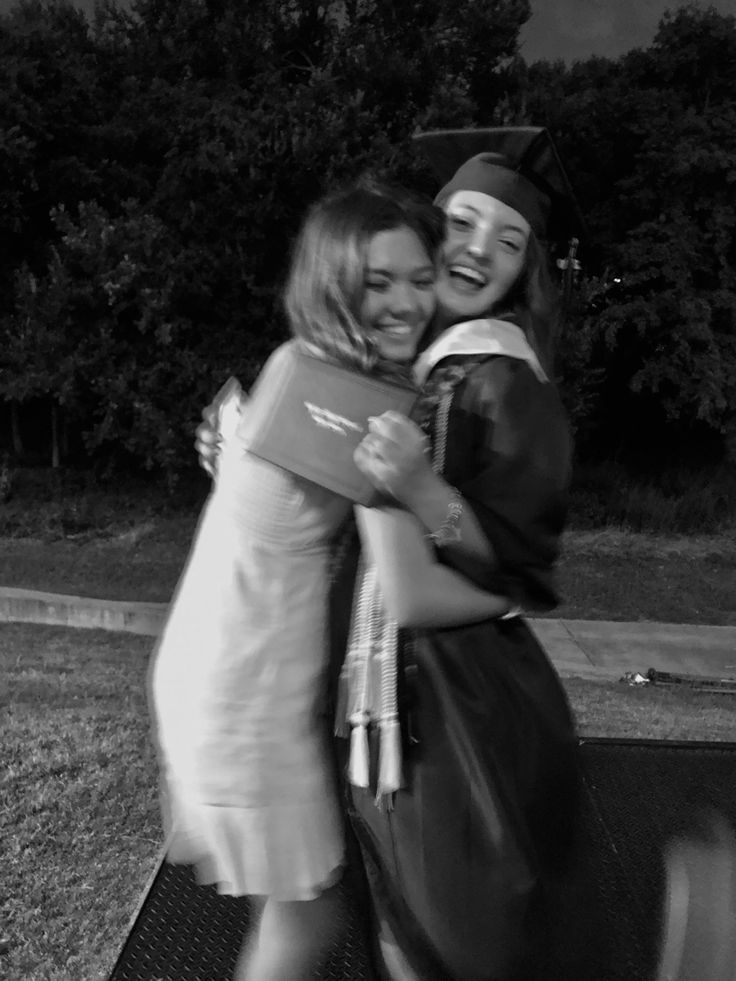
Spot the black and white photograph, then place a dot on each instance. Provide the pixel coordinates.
(368, 490)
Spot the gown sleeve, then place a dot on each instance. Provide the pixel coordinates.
(509, 455)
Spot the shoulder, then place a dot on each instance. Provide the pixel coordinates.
(284, 352)
(278, 361)
(506, 391)
(496, 377)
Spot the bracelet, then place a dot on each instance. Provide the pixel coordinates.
(449, 531)
(511, 613)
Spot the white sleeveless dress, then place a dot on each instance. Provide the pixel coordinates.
(238, 683)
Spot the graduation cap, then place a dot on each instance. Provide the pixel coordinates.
(517, 165)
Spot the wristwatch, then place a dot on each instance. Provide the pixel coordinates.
(449, 531)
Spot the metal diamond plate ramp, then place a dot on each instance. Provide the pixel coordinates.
(638, 797)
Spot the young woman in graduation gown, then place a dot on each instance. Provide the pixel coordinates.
(462, 771)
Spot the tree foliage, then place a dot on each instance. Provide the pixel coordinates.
(156, 162)
(651, 141)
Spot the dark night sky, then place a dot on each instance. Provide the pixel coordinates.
(576, 29)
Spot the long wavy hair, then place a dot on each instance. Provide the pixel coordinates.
(326, 281)
(534, 303)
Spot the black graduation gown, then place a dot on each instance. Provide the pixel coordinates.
(458, 866)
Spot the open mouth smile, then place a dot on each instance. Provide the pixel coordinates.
(466, 278)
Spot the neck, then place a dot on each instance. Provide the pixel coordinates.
(444, 320)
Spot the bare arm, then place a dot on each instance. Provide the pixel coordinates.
(418, 591)
(430, 500)
(393, 456)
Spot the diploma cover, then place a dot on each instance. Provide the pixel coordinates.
(309, 415)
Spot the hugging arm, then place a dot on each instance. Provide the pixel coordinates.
(518, 491)
(230, 412)
(418, 591)
(514, 491)
(209, 433)
(394, 457)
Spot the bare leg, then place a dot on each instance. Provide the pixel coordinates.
(292, 937)
(250, 942)
(393, 959)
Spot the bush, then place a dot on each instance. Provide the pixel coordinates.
(50, 504)
(675, 500)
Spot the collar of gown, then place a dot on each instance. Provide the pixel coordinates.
(478, 337)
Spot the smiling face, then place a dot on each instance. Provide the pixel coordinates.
(398, 293)
(482, 258)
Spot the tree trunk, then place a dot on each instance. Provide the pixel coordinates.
(15, 429)
(55, 455)
(64, 437)
(729, 440)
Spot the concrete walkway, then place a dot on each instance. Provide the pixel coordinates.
(593, 649)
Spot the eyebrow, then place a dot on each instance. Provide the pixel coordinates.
(515, 228)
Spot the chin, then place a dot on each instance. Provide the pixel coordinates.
(405, 357)
(458, 307)
(400, 354)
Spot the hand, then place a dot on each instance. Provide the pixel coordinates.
(207, 442)
(394, 456)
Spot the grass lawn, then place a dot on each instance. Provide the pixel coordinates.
(79, 816)
(78, 810)
(623, 575)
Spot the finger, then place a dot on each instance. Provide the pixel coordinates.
(365, 461)
(362, 453)
(377, 425)
(402, 432)
(383, 445)
(375, 445)
(207, 435)
(207, 462)
(387, 424)
(209, 415)
(394, 417)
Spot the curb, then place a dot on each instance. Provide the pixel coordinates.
(30, 606)
(592, 650)
(58, 609)
(148, 619)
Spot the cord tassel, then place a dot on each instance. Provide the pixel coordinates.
(342, 729)
(390, 777)
(358, 762)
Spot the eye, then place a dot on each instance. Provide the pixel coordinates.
(511, 245)
(377, 285)
(460, 223)
(424, 282)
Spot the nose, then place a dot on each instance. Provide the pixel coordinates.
(403, 299)
(480, 241)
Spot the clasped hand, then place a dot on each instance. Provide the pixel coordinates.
(394, 456)
(207, 441)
